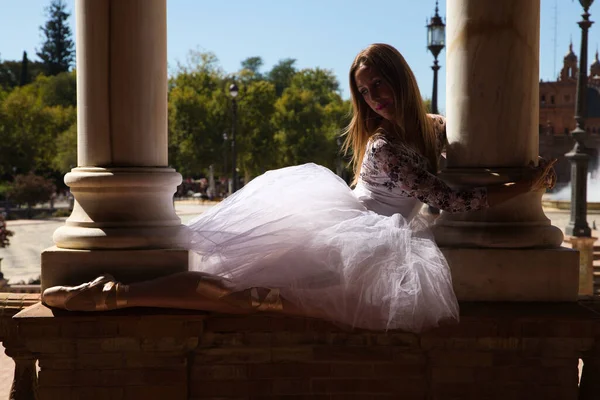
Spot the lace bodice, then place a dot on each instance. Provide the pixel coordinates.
(395, 179)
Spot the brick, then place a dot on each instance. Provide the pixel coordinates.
(221, 372)
(227, 389)
(515, 358)
(407, 357)
(300, 338)
(154, 360)
(254, 323)
(57, 363)
(468, 327)
(282, 397)
(558, 328)
(354, 386)
(54, 393)
(235, 339)
(153, 328)
(497, 343)
(454, 391)
(40, 330)
(455, 358)
(437, 342)
(97, 393)
(291, 386)
(90, 329)
(52, 346)
(113, 377)
(292, 354)
(566, 377)
(290, 370)
(403, 396)
(348, 339)
(396, 340)
(399, 371)
(100, 361)
(168, 344)
(452, 375)
(557, 345)
(354, 370)
(107, 345)
(341, 353)
(156, 392)
(232, 355)
(496, 374)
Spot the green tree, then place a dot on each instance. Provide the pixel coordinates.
(29, 129)
(427, 103)
(309, 117)
(281, 75)
(31, 189)
(58, 51)
(4, 233)
(10, 72)
(198, 115)
(24, 80)
(253, 65)
(59, 90)
(257, 148)
(66, 150)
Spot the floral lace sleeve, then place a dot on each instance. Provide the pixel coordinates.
(404, 172)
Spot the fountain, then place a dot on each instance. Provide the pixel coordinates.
(562, 199)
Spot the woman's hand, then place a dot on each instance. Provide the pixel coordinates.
(543, 176)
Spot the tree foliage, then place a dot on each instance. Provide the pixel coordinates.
(58, 51)
(284, 116)
(4, 233)
(31, 189)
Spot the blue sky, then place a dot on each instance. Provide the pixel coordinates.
(318, 33)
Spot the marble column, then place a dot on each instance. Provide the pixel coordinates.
(492, 123)
(123, 219)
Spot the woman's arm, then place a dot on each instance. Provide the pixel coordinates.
(542, 177)
(399, 174)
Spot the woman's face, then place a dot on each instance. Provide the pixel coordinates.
(375, 91)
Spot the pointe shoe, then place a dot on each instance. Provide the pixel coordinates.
(270, 302)
(101, 294)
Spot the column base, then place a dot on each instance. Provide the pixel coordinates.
(514, 274)
(122, 208)
(73, 267)
(498, 235)
(517, 223)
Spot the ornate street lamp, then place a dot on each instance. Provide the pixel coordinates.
(436, 39)
(233, 91)
(578, 156)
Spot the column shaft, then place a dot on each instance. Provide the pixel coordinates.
(122, 186)
(492, 111)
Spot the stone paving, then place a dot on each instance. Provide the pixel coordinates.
(21, 259)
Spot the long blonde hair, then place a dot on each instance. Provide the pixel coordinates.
(411, 121)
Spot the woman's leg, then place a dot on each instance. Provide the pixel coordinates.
(184, 290)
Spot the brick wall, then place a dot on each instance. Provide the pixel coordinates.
(498, 351)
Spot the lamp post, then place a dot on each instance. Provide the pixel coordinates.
(233, 91)
(436, 36)
(578, 156)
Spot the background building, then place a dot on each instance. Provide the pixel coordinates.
(557, 115)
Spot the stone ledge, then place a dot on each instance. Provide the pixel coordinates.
(497, 351)
(519, 275)
(581, 318)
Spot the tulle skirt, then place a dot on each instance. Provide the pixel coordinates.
(302, 230)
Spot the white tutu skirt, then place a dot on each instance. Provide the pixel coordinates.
(302, 230)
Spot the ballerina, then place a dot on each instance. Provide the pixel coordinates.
(299, 241)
